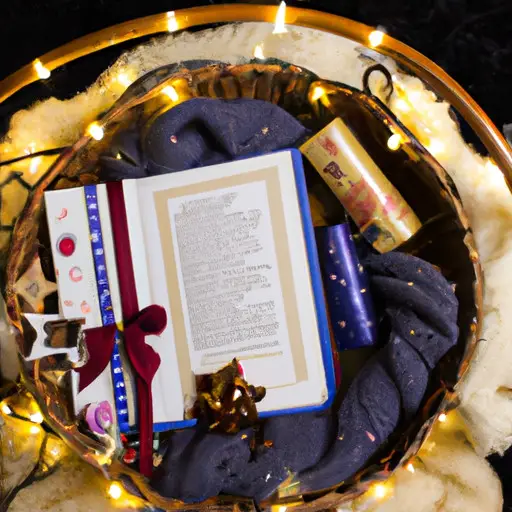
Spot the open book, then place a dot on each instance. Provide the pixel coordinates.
(228, 250)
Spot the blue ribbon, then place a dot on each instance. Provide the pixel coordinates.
(105, 300)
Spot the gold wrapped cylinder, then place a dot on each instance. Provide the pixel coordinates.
(375, 205)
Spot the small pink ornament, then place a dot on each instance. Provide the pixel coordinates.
(241, 370)
(63, 214)
(68, 303)
(99, 417)
(85, 308)
(76, 274)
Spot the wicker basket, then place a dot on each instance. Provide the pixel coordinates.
(445, 241)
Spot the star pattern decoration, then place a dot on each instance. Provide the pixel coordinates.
(33, 286)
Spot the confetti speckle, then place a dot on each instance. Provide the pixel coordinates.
(174, 139)
(333, 277)
(343, 282)
(85, 308)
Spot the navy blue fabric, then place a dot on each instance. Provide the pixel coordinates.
(323, 450)
(197, 466)
(201, 132)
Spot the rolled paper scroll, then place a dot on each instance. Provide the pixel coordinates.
(346, 287)
(376, 206)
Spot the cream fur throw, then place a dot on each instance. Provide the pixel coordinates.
(451, 473)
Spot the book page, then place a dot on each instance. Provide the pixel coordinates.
(264, 309)
(229, 283)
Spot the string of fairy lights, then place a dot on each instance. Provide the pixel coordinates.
(410, 105)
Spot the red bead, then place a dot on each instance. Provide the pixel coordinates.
(67, 246)
(129, 456)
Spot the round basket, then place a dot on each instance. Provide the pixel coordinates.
(445, 240)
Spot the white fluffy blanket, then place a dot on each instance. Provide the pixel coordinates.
(451, 473)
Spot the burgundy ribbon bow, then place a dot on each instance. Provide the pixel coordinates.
(138, 324)
(145, 361)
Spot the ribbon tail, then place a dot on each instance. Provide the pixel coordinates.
(145, 362)
(145, 404)
(100, 344)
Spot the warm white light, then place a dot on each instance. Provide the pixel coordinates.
(258, 51)
(414, 96)
(318, 92)
(394, 142)
(6, 409)
(34, 164)
(115, 491)
(401, 104)
(279, 25)
(124, 79)
(34, 429)
(42, 72)
(37, 417)
(55, 451)
(95, 130)
(376, 37)
(410, 468)
(436, 147)
(171, 92)
(494, 174)
(442, 417)
(172, 22)
(380, 491)
(31, 148)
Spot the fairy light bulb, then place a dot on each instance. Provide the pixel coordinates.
(36, 417)
(410, 468)
(442, 417)
(375, 38)
(124, 79)
(380, 491)
(95, 130)
(34, 430)
(42, 72)
(34, 164)
(436, 147)
(172, 22)
(402, 105)
(171, 92)
(258, 51)
(414, 97)
(5, 409)
(115, 491)
(317, 93)
(279, 24)
(394, 142)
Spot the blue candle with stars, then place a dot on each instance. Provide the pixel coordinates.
(347, 288)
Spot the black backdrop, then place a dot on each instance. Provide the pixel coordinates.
(470, 39)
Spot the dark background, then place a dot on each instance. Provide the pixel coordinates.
(470, 39)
